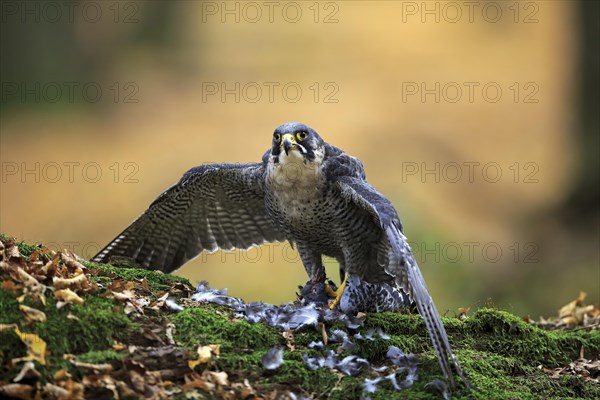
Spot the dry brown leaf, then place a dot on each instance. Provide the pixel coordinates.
(205, 353)
(61, 375)
(144, 285)
(289, 337)
(220, 378)
(575, 313)
(101, 368)
(160, 302)
(215, 349)
(31, 284)
(194, 380)
(36, 347)
(72, 283)
(7, 327)
(463, 311)
(28, 371)
(67, 296)
(72, 316)
(75, 389)
(72, 263)
(55, 391)
(136, 305)
(569, 309)
(124, 295)
(323, 330)
(17, 390)
(31, 314)
(51, 266)
(9, 286)
(137, 380)
(117, 346)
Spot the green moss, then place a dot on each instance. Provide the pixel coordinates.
(101, 356)
(156, 280)
(318, 383)
(204, 325)
(92, 326)
(25, 249)
(498, 351)
(502, 333)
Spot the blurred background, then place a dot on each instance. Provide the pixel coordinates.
(479, 121)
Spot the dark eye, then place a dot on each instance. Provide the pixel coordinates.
(301, 135)
(277, 137)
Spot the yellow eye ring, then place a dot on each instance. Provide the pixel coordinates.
(301, 135)
(277, 137)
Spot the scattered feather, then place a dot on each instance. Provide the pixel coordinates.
(441, 386)
(273, 359)
(370, 385)
(350, 365)
(172, 304)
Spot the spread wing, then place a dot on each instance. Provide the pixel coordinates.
(401, 264)
(219, 206)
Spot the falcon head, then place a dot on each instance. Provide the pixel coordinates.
(297, 142)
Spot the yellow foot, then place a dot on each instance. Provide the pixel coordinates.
(337, 293)
(330, 292)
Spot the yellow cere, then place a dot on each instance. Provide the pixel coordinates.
(289, 136)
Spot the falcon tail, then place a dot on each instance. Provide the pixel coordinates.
(418, 290)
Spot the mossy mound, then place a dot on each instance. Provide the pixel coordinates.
(503, 355)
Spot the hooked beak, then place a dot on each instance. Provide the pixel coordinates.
(288, 142)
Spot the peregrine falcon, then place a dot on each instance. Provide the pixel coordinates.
(305, 191)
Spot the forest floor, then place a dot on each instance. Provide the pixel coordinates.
(74, 329)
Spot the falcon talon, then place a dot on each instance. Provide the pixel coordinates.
(331, 292)
(339, 293)
(304, 191)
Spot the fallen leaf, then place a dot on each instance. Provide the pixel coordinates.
(28, 371)
(17, 390)
(117, 346)
(160, 302)
(7, 327)
(205, 353)
(32, 314)
(72, 263)
(220, 378)
(123, 295)
(61, 375)
(72, 316)
(102, 368)
(55, 391)
(289, 337)
(9, 286)
(36, 346)
(196, 381)
(75, 282)
(463, 311)
(67, 296)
